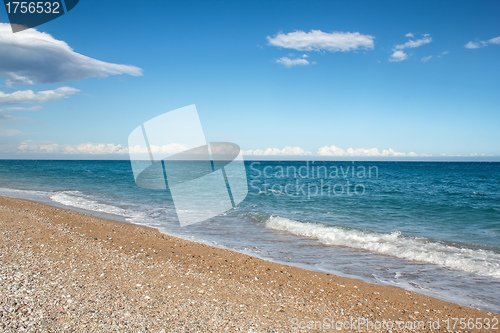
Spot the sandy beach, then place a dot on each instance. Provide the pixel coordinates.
(63, 271)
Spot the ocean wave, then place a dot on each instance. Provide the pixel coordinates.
(482, 262)
(83, 201)
(22, 194)
(271, 191)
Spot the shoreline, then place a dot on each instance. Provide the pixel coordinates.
(119, 274)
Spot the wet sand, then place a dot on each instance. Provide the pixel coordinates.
(65, 271)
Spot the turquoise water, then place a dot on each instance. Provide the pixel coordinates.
(429, 227)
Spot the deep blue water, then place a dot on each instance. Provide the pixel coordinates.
(429, 227)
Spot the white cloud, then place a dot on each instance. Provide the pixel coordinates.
(33, 56)
(22, 109)
(442, 54)
(482, 43)
(398, 53)
(330, 151)
(317, 40)
(287, 151)
(29, 146)
(171, 148)
(465, 155)
(7, 118)
(30, 97)
(414, 43)
(14, 78)
(47, 147)
(398, 56)
(371, 152)
(287, 62)
(88, 148)
(475, 45)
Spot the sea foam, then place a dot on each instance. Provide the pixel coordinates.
(80, 200)
(482, 262)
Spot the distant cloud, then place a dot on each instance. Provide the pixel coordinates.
(7, 132)
(398, 53)
(29, 146)
(475, 45)
(425, 59)
(26, 97)
(171, 148)
(371, 152)
(30, 97)
(87, 148)
(33, 56)
(398, 56)
(6, 114)
(414, 43)
(21, 108)
(482, 43)
(329, 151)
(317, 40)
(7, 118)
(287, 151)
(287, 62)
(442, 54)
(465, 155)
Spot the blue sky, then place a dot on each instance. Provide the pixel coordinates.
(332, 79)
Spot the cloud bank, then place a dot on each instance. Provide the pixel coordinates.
(33, 56)
(89, 148)
(329, 151)
(29, 146)
(371, 152)
(287, 151)
(108, 150)
(117, 149)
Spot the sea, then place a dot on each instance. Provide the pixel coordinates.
(428, 227)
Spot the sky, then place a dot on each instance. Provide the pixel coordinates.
(410, 80)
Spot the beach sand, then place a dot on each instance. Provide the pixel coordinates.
(65, 271)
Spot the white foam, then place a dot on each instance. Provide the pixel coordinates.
(80, 200)
(482, 262)
(23, 194)
(271, 191)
